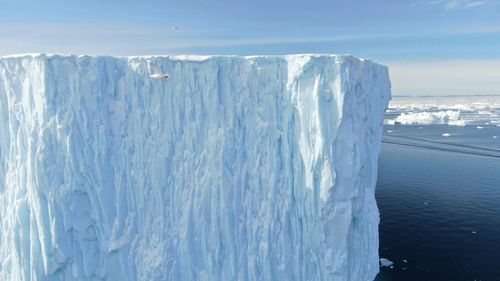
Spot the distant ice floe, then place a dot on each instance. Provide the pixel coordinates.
(446, 135)
(449, 117)
(453, 111)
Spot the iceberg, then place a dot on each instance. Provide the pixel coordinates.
(443, 110)
(449, 117)
(235, 168)
(386, 263)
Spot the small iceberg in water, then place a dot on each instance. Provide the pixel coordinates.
(386, 263)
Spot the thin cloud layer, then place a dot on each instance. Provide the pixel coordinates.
(458, 4)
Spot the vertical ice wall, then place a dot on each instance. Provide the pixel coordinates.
(255, 168)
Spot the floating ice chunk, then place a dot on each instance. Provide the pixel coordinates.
(446, 135)
(480, 127)
(386, 263)
(449, 117)
(457, 122)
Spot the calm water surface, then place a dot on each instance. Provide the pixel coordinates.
(439, 201)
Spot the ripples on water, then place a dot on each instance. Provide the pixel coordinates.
(438, 193)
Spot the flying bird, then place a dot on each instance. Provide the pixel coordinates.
(157, 74)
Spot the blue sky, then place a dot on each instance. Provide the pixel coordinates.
(433, 47)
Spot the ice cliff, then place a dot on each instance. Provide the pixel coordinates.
(236, 168)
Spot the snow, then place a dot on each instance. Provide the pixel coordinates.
(236, 168)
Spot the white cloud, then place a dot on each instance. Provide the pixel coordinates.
(475, 4)
(132, 40)
(129, 40)
(450, 5)
(437, 2)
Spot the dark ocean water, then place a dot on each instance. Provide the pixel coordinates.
(439, 201)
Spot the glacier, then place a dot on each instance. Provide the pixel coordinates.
(236, 168)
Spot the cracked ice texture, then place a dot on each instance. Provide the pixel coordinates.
(237, 168)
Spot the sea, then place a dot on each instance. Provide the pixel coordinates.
(438, 189)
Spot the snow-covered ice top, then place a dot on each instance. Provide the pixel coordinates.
(236, 168)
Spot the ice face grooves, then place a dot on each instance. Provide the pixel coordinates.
(237, 168)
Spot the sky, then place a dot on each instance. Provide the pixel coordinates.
(432, 47)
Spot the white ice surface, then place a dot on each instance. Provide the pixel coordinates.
(257, 168)
(449, 117)
(386, 263)
(454, 110)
